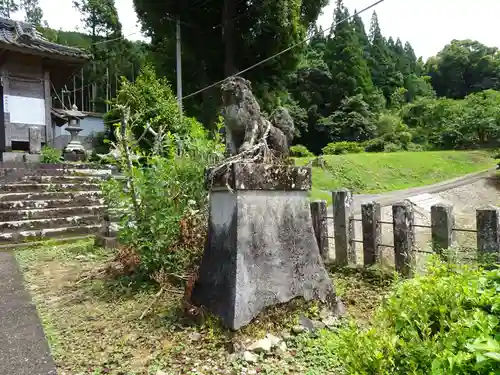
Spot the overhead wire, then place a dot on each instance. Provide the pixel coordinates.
(115, 39)
(283, 51)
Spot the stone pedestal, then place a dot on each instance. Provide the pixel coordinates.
(261, 249)
(74, 150)
(35, 140)
(20, 157)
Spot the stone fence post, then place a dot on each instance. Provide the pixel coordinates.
(442, 223)
(372, 232)
(319, 215)
(404, 238)
(488, 234)
(343, 215)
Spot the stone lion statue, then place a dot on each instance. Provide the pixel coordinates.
(245, 126)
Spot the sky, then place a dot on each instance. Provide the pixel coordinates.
(427, 24)
(430, 24)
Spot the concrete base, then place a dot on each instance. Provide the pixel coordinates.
(261, 250)
(74, 156)
(21, 157)
(106, 242)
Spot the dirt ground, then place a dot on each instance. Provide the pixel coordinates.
(94, 325)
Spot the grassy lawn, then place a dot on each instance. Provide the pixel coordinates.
(381, 172)
(93, 324)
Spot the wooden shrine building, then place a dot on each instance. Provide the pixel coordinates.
(31, 68)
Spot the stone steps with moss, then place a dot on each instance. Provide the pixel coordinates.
(80, 196)
(49, 223)
(50, 202)
(45, 213)
(46, 188)
(51, 233)
(61, 179)
(40, 201)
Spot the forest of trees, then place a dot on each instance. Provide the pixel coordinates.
(347, 84)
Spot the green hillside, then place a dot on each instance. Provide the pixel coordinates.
(381, 172)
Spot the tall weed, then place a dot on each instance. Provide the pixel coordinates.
(162, 199)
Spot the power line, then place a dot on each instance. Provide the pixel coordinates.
(284, 51)
(182, 22)
(115, 39)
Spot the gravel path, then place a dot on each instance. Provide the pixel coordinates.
(466, 194)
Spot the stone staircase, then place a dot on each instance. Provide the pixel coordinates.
(49, 201)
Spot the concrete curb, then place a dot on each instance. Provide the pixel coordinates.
(23, 346)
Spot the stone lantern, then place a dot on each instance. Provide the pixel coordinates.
(74, 151)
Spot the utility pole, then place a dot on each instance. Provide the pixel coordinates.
(94, 87)
(74, 90)
(179, 65)
(82, 104)
(107, 89)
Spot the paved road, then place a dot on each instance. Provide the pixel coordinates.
(391, 197)
(23, 347)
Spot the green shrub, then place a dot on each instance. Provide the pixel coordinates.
(340, 148)
(374, 145)
(51, 155)
(300, 151)
(167, 225)
(388, 123)
(446, 321)
(405, 138)
(163, 199)
(392, 147)
(100, 143)
(415, 147)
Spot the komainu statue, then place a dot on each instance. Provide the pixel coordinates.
(245, 125)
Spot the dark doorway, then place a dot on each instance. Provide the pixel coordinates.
(20, 146)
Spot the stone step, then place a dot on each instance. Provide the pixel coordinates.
(79, 201)
(48, 213)
(12, 172)
(78, 196)
(41, 234)
(39, 188)
(60, 179)
(40, 241)
(50, 223)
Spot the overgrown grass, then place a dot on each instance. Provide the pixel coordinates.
(372, 173)
(444, 322)
(94, 326)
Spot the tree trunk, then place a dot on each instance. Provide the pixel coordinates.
(228, 34)
(210, 100)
